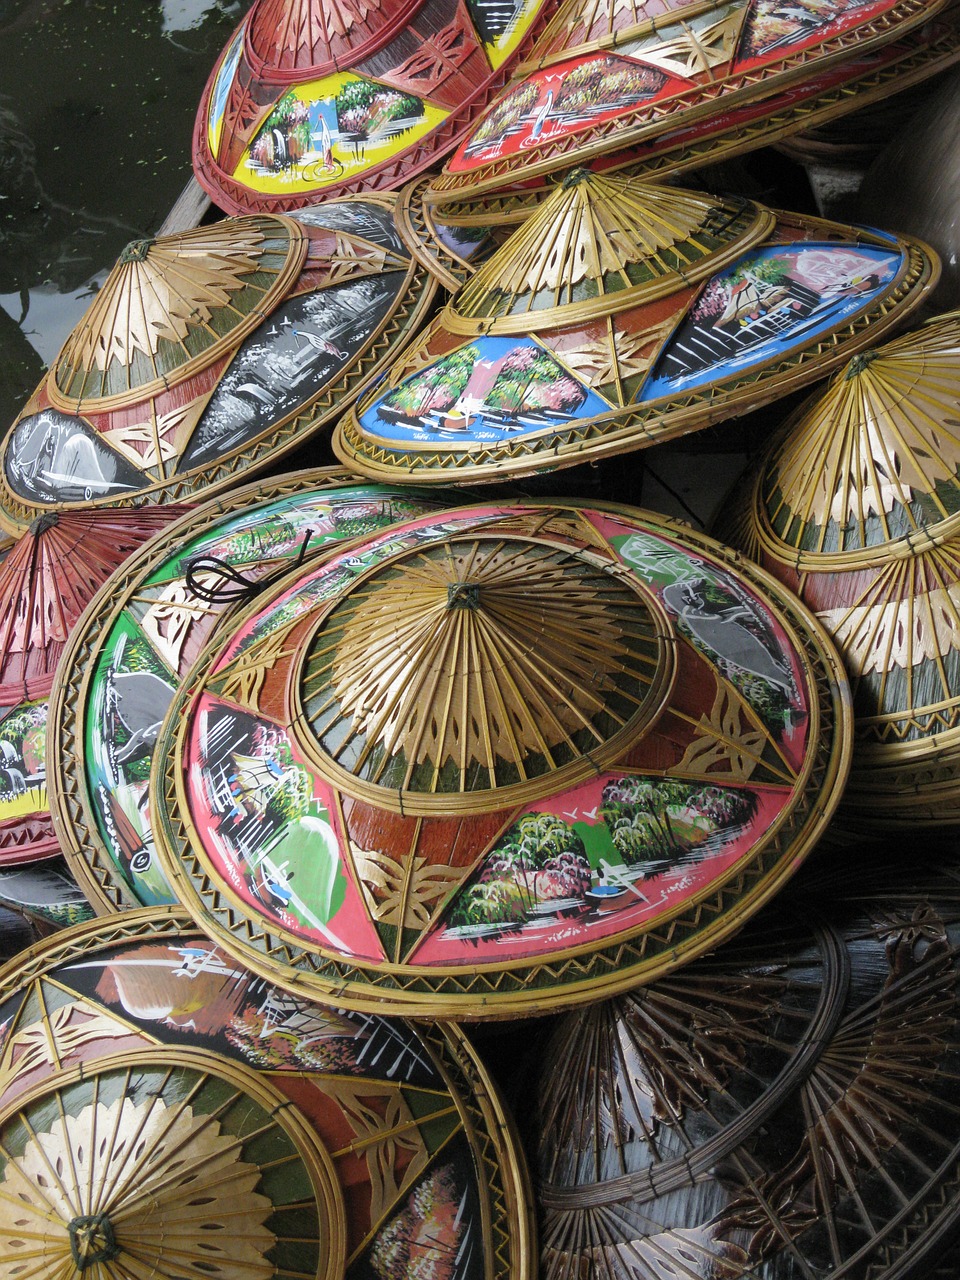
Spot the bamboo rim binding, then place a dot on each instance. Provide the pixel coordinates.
(386, 848)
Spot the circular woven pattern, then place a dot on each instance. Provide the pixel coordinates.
(602, 245)
(858, 1171)
(644, 1094)
(124, 658)
(159, 1169)
(474, 666)
(611, 869)
(165, 1113)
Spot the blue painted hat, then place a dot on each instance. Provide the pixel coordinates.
(621, 315)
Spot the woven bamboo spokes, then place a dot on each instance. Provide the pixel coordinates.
(900, 642)
(578, 24)
(482, 664)
(147, 1171)
(50, 576)
(874, 461)
(295, 35)
(172, 304)
(597, 237)
(643, 1093)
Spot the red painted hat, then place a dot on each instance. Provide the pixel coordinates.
(311, 100)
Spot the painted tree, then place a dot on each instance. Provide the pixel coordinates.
(529, 379)
(726, 806)
(507, 113)
(291, 118)
(540, 858)
(364, 108)
(606, 82)
(436, 387)
(637, 812)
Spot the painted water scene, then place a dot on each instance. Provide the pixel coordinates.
(320, 131)
(620, 849)
(331, 127)
(300, 348)
(189, 990)
(772, 301)
(47, 891)
(489, 389)
(733, 630)
(130, 694)
(778, 25)
(270, 834)
(557, 102)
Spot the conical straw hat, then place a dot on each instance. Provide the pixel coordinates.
(163, 1111)
(498, 760)
(213, 352)
(138, 637)
(611, 75)
(311, 100)
(854, 505)
(880, 78)
(869, 470)
(646, 1093)
(171, 305)
(622, 314)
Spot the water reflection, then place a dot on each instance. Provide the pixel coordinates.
(97, 103)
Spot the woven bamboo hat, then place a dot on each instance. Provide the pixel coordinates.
(852, 1174)
(859, 96)
(622, 314)
(499, 760)
(311, 100)
(46, 580)
(213, 352)
(647, 1093)
(854, 506)
(46, 894)
(607, 76)
(165, 1112)
(140, 634)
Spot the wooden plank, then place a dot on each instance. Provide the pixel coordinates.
(189, 210)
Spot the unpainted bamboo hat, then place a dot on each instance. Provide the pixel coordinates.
(650, 1163)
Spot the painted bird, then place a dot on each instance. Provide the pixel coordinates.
(721, 628)
(320, 344)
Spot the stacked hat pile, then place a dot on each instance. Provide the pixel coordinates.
(343, 758)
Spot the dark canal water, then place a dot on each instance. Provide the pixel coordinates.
(97, 103)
